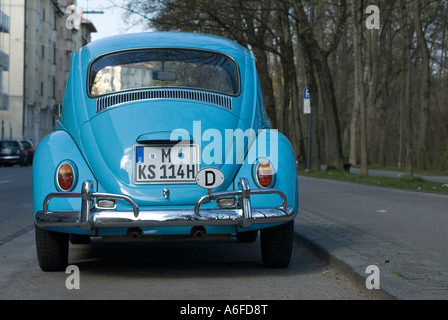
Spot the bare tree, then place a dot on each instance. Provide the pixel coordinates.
(319, 56)
(400, 71)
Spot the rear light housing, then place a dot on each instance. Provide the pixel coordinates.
(66, 176)
(264, 174)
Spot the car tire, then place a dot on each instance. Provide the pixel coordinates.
(247, 236)
(52, 249)
(276, 245)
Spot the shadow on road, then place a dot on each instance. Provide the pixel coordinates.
(208, 258)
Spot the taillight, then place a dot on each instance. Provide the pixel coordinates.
(65, 176)
(265, 174)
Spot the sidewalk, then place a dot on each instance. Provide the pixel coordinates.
(404, 274)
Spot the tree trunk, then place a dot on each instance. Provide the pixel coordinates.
(426, 85)
(334, 145)
(256, 38)
(266, 85)
(406, 93)
(354, 124)
(359, 80)
(386, 52)
(316, 161)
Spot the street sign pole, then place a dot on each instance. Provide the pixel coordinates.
(307, 111)
(307, 100)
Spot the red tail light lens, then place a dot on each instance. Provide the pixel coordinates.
(265, 174)
(65, 176)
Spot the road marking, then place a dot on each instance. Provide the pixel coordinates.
(5, 181)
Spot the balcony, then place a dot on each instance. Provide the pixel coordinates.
(4, 61)
(4, 101)
(5, 22)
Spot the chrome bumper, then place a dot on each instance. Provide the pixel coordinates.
(90, 218)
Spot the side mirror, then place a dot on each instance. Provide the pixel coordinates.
(57, 110)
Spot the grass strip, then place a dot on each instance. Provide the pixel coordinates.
(404, 182)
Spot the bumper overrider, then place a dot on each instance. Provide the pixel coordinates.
(90, 217)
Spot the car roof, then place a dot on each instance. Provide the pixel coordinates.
(163, 39)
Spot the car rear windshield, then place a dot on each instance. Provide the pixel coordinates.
(8, 144)
(185, 68)
(26, 144)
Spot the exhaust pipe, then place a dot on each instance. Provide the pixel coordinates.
(198, 232)
(134, 233)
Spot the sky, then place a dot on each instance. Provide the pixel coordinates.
(107, 24)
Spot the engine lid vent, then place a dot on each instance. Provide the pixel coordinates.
(217, 99)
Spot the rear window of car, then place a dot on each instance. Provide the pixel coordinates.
(26, 144)
(150, 68)
(8, 144)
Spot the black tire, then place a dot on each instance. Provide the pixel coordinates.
(276, 245)
(79, 239)
(52, 249)
(248, 236)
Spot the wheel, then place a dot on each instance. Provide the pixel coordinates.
(248, 236)
(52, 249)
(276, 245)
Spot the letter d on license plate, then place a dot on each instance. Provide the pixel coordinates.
(166, 163)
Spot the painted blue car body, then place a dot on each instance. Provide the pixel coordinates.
(99, 135)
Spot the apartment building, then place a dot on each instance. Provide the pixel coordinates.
(40, 48)
(4, 65)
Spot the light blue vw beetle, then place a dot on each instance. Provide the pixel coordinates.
(163, 135)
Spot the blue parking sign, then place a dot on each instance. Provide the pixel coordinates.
(306, 101)
(306, 93)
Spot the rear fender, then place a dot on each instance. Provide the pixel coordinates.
(275, 147)
(50, 153)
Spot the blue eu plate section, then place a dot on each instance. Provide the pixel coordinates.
(139, 155)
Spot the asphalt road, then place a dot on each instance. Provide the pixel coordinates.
(16, 202)
(417, 220)
(189, 270)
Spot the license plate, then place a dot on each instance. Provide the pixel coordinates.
(166, 163)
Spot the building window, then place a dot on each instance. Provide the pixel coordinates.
(54, 87)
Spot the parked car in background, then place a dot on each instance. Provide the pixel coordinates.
(12, 152)
(29, 150)
(164, 135)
